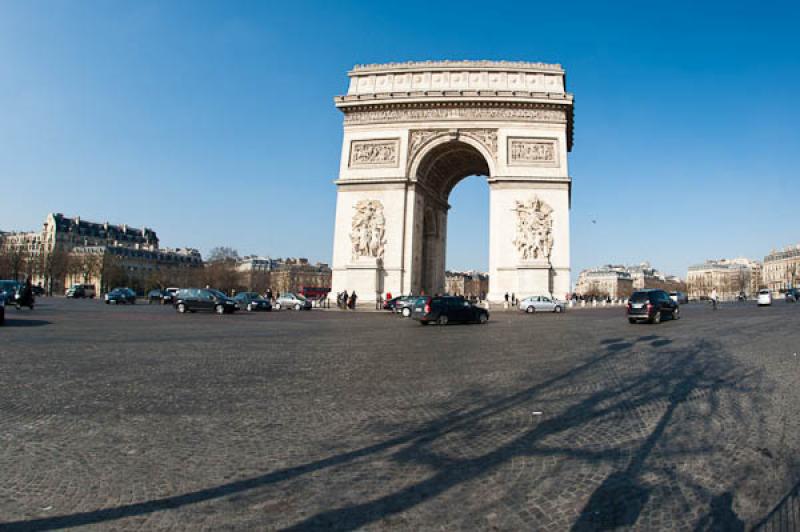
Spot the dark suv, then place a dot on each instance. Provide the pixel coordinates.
(441, 310)
(194, 299)
(651, 306)
(792, 295)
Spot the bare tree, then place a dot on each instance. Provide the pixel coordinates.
(222, 253)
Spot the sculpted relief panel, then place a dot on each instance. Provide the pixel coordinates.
(368, 230)
(534, 230)
(417, 138)
(374, 153)
(454, 113)
(532, 152)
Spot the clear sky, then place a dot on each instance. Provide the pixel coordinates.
(213, 122)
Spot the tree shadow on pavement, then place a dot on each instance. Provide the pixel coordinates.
(613, 426)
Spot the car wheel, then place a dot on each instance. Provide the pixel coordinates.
(530, 309)
(657, 317)
(442, 320)
(181, 308)
(406, 312)
(676, 314)
(557, 310)
(483, 318)
(631, 321)
(219, 309)
(297, 307)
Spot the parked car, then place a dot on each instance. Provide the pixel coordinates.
(251, 301)
(400, 305)
(764, 297)
(120, 295)
(169, 295)
(541, 304)
(292, 301)
(9, 289)
(443, 310)
(681, 298)
(194, 299)
(156, 296)
(81, 291)
(792, 295)
(651, 306)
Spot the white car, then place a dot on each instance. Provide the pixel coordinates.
(764, 297)
(541, 304)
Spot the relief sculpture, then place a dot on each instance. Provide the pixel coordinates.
(374, 153)
(523, 151)
(368, 229)
(534, 229)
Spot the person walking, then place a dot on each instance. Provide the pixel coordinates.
(268, 295)
(353, 299)
(714, 298)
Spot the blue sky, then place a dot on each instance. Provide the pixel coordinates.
(213, 122)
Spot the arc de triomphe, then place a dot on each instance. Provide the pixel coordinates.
(412, 131)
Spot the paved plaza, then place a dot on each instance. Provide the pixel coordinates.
(137, 418)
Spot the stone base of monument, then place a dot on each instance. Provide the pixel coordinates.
(533, 278)
(365, 277)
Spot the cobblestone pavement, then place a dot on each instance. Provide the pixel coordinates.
(137, 418)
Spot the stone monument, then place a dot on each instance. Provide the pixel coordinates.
(412, 131)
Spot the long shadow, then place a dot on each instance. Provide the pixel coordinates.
(670, 380)
(16, 322)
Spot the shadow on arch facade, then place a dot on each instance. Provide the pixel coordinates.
(412, 131)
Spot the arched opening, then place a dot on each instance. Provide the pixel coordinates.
(438, 172)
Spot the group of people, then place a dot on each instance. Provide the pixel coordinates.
(513, 299)
(345, 301)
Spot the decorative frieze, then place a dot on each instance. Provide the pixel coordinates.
(374, 153)
(532, 152)
(534, 241)
(354, 117)
(417, 138)
(368, 229)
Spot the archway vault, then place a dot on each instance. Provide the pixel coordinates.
(412, 132)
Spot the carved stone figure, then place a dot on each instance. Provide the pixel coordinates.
(368, 229)
(534, 229)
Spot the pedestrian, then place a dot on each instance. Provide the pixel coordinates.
(268, 295)
(714, 297)
(513, 299)
(353, 298)
(506, 297)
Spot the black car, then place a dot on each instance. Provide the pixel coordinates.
(194, 299)
(651, 306)
(444, 309)
(120, 295)
(792, 295)
(2, 308)
(252, 301)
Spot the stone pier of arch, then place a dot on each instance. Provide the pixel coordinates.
(412, 131)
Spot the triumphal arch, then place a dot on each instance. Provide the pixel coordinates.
(412, 131)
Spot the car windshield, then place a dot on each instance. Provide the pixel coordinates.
(217, 293)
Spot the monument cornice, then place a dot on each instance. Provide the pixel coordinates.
(467, 65)
(448, 96)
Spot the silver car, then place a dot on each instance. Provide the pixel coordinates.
(541, 304)
(292, 301)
